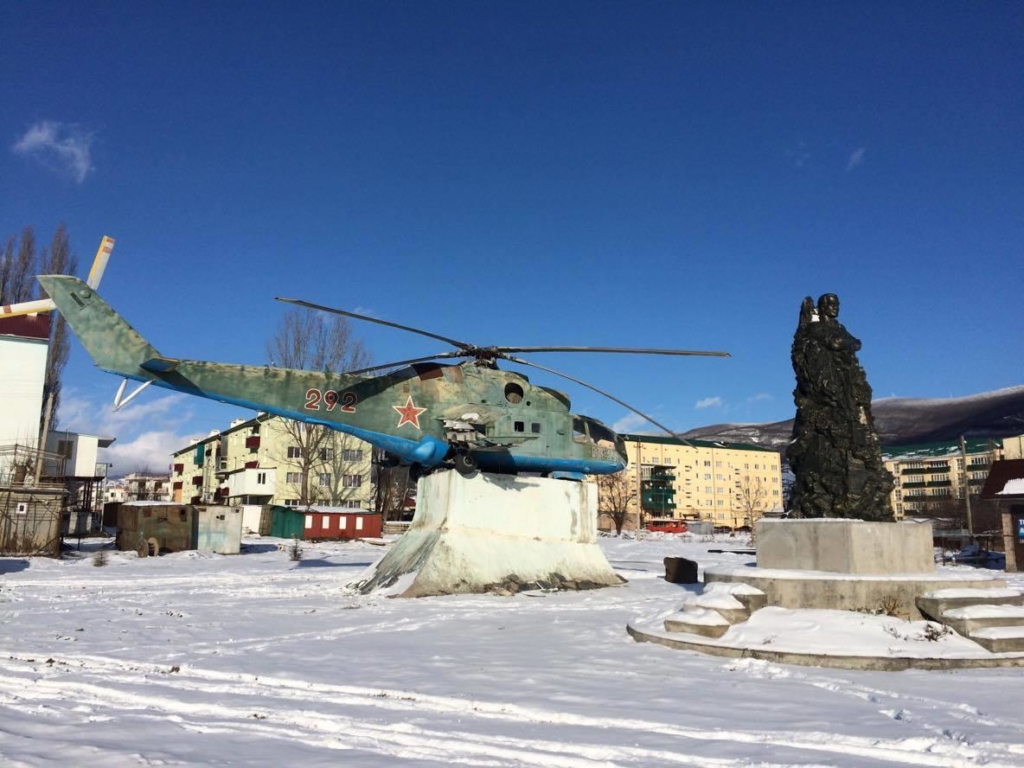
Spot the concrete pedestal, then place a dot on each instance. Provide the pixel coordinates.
(474, 534)
(845, 546)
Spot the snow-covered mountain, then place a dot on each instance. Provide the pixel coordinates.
(903, 420)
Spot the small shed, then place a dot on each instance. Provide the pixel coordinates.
(285, 523)
(341, 523)
(1005, 486)
(217, 530)
(152, 527)
(30, 519)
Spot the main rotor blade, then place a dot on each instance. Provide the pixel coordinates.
(322, 308)
(623, 350)
(599, 391)
(405, 362)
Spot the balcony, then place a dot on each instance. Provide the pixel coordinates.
(253, 441)
(252, 481)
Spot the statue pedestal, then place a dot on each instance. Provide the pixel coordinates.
(848, 565)
(845, 546)
(478, 533)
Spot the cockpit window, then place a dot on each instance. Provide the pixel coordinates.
(599, 432)
(579, 430)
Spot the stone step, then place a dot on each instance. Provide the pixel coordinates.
(1000, 639)
(752, 598)
(722, 603)
(934, 604)
(697, 621)
(970, 618)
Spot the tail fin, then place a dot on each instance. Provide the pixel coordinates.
(112, 344)
(99, 264)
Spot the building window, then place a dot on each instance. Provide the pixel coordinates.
(293, 477)
(325, 479)
(352, 454)
(707, 475)
(309, 521)
(261, 478)
(291, 502)
(535, 428)
(352, 481)
(326, 454)
(64, 448)
(359, 523)
(294, 452)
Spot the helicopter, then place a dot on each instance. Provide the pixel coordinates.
(423, 413)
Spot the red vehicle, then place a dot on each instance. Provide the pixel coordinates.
(667, 525)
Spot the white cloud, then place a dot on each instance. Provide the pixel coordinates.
(709, 402)
(630, 422)
(61, 147)
(760, 397)
(147, 451)
(856, 158)
(145, 431)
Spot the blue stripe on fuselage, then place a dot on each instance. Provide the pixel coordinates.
(428, 451)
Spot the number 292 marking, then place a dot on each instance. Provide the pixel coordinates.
(331, 399)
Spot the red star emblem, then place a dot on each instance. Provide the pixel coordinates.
(409, 413)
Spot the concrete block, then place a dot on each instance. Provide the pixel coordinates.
(679, 570)
(899, 593)
(845, 546)
(483, 532)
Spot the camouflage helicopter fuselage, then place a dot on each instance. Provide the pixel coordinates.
(423, 414)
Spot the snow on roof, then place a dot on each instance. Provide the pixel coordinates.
(1014, 485)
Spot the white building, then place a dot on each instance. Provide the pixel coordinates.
(24, 343)
(71, 454)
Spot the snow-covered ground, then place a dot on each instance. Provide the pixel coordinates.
(192, 659)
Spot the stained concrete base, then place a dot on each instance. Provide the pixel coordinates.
(895, 593)
(477, 533)
(845, 546)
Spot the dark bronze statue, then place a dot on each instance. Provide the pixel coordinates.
(834, 452)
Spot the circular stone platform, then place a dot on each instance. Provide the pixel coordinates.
(848, 591)
(831, 638)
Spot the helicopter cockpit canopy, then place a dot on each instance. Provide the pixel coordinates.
(583, 426)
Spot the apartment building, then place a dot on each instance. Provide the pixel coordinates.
(145, 486)
(929, 477)
(730, 485)
(257, 461)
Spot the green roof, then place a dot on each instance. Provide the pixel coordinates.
(975, 445)
(659, 440)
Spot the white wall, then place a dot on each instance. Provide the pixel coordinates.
(22, 371)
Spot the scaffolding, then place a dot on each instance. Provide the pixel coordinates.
(31, 509)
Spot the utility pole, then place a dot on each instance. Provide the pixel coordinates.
(967, 488)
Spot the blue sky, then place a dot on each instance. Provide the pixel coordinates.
(633, 174)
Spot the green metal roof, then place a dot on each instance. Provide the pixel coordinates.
(658, 439)
(975, 445)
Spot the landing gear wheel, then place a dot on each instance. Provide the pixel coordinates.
(465, 463)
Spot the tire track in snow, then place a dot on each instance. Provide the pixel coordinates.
(288, 702)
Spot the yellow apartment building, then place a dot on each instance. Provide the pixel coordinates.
(256, 461)
(730, 485)
(930, 476)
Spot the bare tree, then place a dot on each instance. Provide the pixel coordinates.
(752, 500)
(18, 269)
(58, 260)
(615, 495)
(390, 486)
(306, 340)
